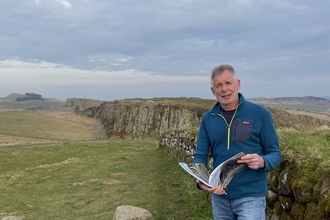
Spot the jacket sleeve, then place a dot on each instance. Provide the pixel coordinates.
(202, 146)
(269, 140)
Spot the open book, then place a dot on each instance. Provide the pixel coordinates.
(222, 174)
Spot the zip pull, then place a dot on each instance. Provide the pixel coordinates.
(228, 138)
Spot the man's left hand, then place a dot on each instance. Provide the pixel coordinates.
(254, 161)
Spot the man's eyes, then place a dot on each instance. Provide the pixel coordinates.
(220, 85)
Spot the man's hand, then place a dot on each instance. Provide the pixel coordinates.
(218, 190)
(254, 161)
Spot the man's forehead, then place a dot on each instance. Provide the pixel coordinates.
(223, 78)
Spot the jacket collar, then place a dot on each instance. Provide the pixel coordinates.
(217, 108)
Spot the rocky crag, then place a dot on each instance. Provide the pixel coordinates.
(141, 118)
(144, 118)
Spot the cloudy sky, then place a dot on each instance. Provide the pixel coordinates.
(117, 49)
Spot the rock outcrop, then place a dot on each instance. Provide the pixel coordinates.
(79, 105)
(140, 118)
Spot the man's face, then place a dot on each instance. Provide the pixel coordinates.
(225, 88)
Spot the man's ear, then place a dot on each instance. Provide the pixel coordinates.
(212, 90)
(239, 84)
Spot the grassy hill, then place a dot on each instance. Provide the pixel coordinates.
(20, 127)
(306, 103)
(10, 102)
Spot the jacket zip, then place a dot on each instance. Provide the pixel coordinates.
(228, 125)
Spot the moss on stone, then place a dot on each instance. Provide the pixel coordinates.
(324, 203)
(286, 202)
(272, 178)
(298, 211)
(285, 178)
(314, 212)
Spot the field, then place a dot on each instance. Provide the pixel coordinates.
(52, 168)
(61, 175)
(21, 127)
(305, 108)
(322, 115)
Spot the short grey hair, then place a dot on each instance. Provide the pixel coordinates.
(219, 69)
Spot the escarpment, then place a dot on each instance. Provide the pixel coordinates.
(143, 118)
(140, 118)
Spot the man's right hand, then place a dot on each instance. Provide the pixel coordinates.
(218, 190)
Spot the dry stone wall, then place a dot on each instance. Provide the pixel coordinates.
(295, 191)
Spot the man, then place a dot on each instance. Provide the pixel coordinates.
(236, 125)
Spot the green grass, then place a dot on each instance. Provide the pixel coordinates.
(89, 103)
(89, 180)
(307, 147)
(182, 102)
(22, 127)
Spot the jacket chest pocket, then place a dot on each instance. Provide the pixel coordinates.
(242, 130)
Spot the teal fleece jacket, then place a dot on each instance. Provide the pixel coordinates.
(251, 130)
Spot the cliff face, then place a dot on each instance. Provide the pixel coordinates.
(139, 118)
(150, 117)
(79, 105)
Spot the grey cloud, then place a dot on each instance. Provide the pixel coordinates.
(262, 39)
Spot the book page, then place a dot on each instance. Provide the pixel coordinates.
(223, 173)
(214, 178)
(197, 170)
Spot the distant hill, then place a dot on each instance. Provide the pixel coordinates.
(306, 103)
(11, 102)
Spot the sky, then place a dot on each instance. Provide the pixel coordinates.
(113, 50)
